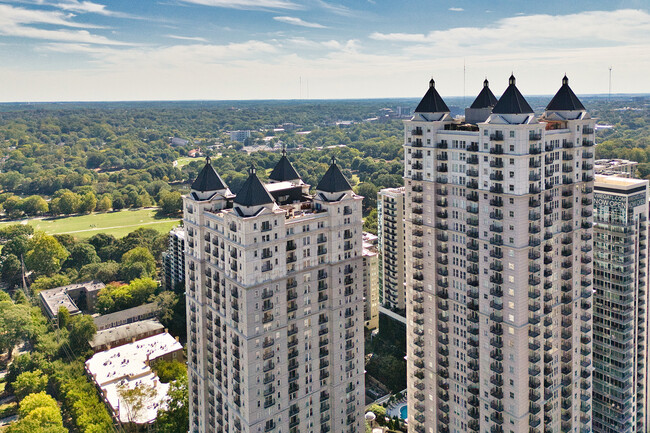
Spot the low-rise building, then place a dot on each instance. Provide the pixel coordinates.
(76, 298)
(129, 366)
(130, 315)
(615, 167)
(240, 135)
(123, 334)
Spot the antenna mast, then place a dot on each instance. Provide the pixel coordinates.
(609, 97)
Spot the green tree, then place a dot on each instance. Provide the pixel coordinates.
(169, 371)
(170, 202)
(135, 401)
(104, 204)
(46, 255)
(35, 401)
(69, 203)
(63, 317)
(105, 272)
(175, 417)
(45, 283)
(11, 271)
(166, 302)
(82, 254)
(88, 203)
(141, 259)
(34, 205)
(29, 382)
(14, 325)
(18, 246)
(82, 330)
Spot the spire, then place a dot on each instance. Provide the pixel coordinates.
(333, 180)
(565, 99)
(432, 102)
(284, 170)
(512, 101)
(253, 192)
(485, 98)
(208, 179)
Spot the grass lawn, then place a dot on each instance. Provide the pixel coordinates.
(117, 224)
(183, 161)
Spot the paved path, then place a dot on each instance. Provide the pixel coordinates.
(114, 227)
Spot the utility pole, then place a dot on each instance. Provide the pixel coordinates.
(609, 97)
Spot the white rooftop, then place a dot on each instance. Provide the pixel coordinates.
(127, 365)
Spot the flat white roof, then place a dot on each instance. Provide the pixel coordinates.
(127, 365)
(129, 359)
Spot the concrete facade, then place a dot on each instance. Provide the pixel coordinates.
(499, 269)
(390, 229)
(275, 310)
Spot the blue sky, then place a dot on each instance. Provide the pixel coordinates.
(71, 50)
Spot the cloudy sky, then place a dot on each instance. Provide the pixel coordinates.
(71, 50)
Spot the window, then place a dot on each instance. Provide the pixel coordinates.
(512, 134)
(512, 174)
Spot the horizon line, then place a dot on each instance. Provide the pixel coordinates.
(588, 95)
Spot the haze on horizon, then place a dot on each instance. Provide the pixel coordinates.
(77, 50)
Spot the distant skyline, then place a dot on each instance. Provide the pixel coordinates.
(77, 50)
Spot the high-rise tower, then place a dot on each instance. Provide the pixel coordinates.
(390, 230)
(274, 304)
(620, 389)
(499, 266)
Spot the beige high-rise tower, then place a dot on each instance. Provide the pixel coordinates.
(499, 265)
(274, 304)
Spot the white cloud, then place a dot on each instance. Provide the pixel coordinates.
(456, 9)
(299, 22)
(538, 48)
(336, 8)
(521, 33)
(399, 37)
(90, 7)
(188, 38)
(19, 22)
(247, 4)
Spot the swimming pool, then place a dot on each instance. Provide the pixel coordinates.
(403, 412)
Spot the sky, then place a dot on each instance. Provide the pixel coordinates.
(100, 50)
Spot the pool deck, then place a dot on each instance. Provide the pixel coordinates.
(396, 410)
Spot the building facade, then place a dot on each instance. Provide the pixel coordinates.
(499, 265)
(370, 281)
(173, 260)
(390, 229)
(620, 385)
(274, 304)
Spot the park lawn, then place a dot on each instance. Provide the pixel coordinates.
(182, 162)
(117, 224)
(185, 160)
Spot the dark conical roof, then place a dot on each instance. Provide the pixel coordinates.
(565, 99)
(512, 101)
(333, 180)
(486, 98)
(284, 170)
(432, 101)
(208, 179)
(253, 192)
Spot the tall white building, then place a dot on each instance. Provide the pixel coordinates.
(390, 229)
(499, 265)
(274, 304)
(620, 389)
